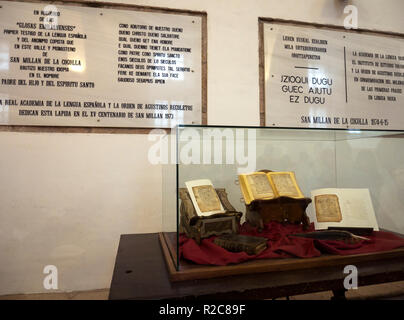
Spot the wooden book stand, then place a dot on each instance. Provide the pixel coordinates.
(199, 227)
(281, 209)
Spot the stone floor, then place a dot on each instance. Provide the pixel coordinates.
(386, 291)
(392, 290)
(101, 294)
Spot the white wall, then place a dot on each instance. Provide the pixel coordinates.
(66, 198)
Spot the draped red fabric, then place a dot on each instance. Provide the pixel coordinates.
(282, 245)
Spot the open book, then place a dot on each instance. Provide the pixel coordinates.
(347, 208)
(270, 185)
(204, 197)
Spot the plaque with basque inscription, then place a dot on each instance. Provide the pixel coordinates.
(331, 77)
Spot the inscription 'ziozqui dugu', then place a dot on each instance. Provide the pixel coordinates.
(332, 78)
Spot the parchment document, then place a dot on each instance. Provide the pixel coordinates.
(342, 207)
(284, 185)
(260, 186)
(327, 208)
(204, 197)
(207, 198)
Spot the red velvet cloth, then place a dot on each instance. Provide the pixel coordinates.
(282, 245)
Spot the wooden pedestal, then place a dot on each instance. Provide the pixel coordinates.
(282, 209)
(191, 271)
(198, 227)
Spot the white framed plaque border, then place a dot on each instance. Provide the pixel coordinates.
(261, 65)
(122, 130)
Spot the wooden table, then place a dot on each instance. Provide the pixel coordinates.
(140, 273)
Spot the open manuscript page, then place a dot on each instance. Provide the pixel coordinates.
(256, 185)
(204, 197)
(266, 186)
(327, 208)
(342, 208)
(285, 184)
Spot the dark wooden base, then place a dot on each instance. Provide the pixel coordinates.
(282, 209)
(191, 271)
(140, 272)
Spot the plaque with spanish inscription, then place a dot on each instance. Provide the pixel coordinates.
(326, 77)
(104, 66)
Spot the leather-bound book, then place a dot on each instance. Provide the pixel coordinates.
(237, 243)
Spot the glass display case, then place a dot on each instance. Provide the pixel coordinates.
(199, 159)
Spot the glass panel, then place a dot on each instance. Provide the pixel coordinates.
(319, 158)
(169, 195)
(376, 164)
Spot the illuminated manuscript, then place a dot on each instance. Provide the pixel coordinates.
(327, 208)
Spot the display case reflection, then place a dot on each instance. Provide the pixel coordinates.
(311, 193)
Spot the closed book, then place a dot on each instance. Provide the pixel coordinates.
(237, 243)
